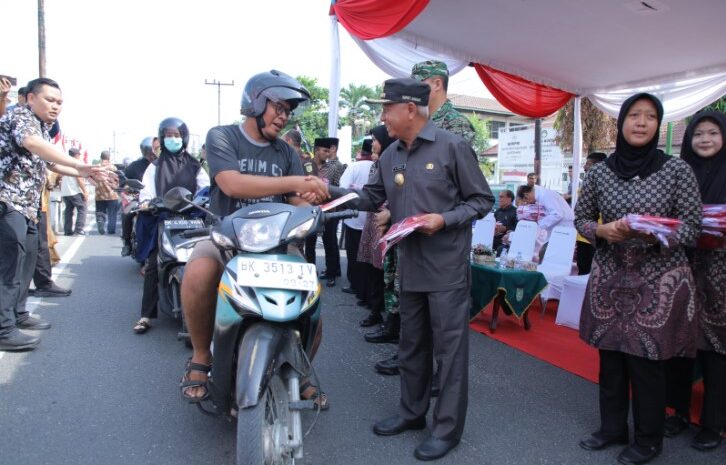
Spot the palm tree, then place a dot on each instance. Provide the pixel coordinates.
(360, 114)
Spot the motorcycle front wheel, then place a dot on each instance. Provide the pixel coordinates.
(264, 431)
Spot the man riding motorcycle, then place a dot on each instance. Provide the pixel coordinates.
(135, 170)
(248, 164)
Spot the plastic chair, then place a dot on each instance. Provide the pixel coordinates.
(573, 295)
(557, 262)
(522, 240)
(484, 231)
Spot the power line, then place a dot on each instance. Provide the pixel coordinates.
(219, 85)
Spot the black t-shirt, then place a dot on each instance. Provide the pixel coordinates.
(137, 169)
(228, 148)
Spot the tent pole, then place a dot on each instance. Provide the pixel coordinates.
(576, 150)
(334, 92)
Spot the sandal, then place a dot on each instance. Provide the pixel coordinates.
(142, 326)
(318, 396)
(187, 382)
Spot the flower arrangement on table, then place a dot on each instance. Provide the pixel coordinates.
(482, 255)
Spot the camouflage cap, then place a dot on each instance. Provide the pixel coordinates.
(429, 68)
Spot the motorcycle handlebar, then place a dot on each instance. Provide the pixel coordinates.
(341, 215)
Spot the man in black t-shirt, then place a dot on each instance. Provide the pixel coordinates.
(247, 164)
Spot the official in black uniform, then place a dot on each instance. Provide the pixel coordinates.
(434, 173)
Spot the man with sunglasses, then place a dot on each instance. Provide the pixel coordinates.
(248, 164)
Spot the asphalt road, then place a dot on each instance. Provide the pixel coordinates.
(94, 392)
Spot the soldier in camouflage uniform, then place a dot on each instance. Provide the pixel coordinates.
(444, 115)
(441, 110)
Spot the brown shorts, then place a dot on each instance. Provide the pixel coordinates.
(206, 249)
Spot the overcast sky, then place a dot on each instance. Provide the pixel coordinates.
(124, 66)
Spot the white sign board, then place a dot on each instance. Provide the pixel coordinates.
(516, 155)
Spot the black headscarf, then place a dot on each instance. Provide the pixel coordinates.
(710, 172)
(381, 135)
(627, 161)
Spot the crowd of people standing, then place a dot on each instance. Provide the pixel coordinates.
(651, 311)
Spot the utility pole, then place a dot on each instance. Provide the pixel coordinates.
(219, 85)
(538, 149)
(41, 38)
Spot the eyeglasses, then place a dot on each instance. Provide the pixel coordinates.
(280, 109)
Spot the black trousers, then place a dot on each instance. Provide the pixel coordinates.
(619, 372)
(150, 298)
(435, 325)
(679, 383)
(18, 251)
(74, 202)
(373, 287)
(354, 272)
(43, 275)
(584, 255)
(310, 243)
(332, 251)
(714, 389)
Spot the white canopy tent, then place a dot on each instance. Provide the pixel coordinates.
(605, 50)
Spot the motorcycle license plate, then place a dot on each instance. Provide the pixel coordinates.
(183, 224)
(257, 272)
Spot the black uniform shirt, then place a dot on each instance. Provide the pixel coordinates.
(440, 175)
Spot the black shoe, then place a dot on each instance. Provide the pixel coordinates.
(635, 454)
(382, 336)
(599, 441)
(18, 340)
(394, 425)
(33, 322)
(126, 250)
(434, 448)
(330, 282)
(674, 425)
(706, 439)
(348, 290)
(50, 291)
(371, 320)
(388, 366)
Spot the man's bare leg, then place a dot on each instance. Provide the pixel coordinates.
(198, 297)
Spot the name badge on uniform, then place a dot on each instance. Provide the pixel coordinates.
(398, 177)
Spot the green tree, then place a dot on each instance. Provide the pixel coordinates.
(360, 115)
(311, 118)
(598, 129)
(481, 128)
(718, 105)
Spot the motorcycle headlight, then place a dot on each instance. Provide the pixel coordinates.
(260, 234)
(302, 230)
(221, 240)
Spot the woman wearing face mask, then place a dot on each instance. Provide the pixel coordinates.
(639, 307)
(704, 149)
(175, 167)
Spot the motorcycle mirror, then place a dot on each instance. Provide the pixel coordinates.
(134, 184)
(176, 198)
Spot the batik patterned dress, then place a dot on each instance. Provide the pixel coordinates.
(710, 275)
(640, 298)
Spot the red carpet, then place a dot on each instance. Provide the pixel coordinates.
(557, 345)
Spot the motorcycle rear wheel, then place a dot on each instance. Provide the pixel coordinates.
(264, 431)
